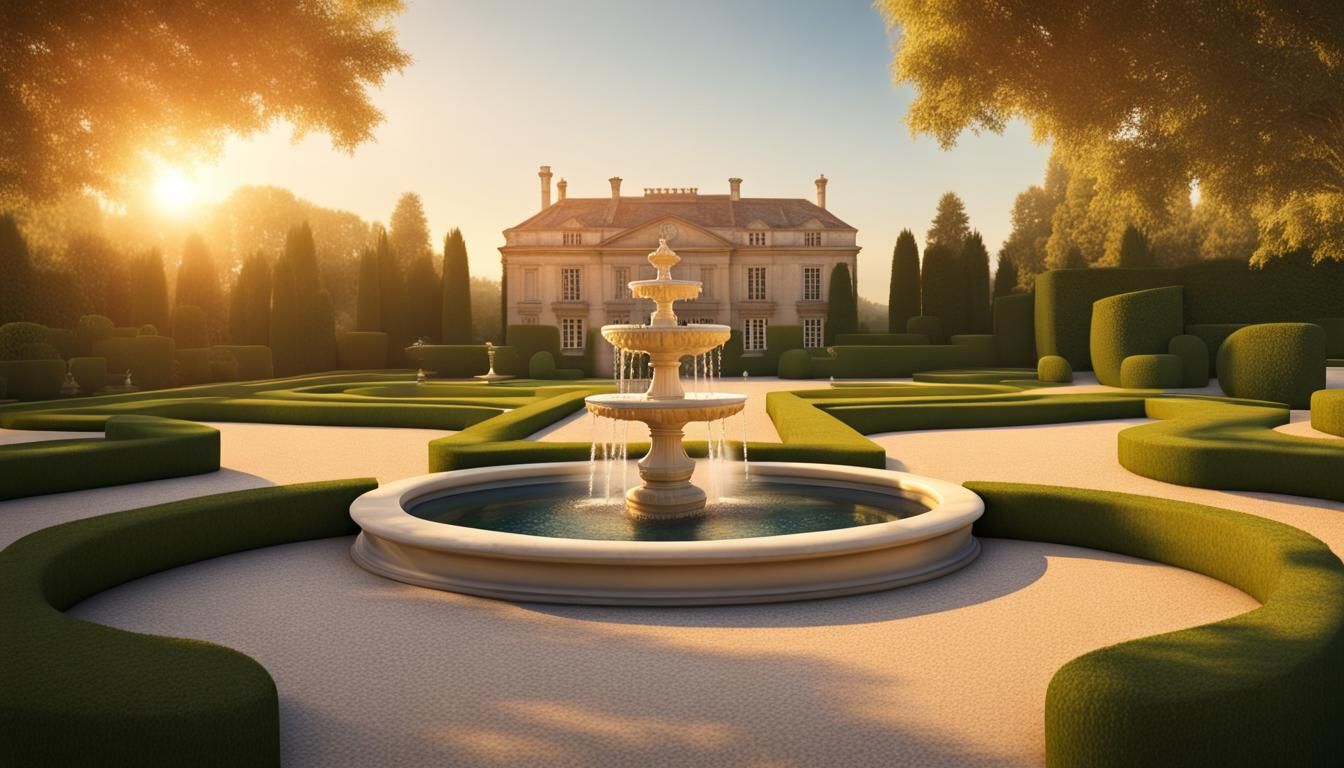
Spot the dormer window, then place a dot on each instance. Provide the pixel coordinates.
(755, 238)
(572, 238)
(811, 238)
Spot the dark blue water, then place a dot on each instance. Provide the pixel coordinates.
(563, 510)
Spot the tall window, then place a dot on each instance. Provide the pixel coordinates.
(621, 277)
(571, 333)
(571, 284)
(753, 334)
(755, 238)
(812, 333)
(811, 238)
(707, 282)
(755, 283)
(530, 284)
(572, 238)
(811, 283)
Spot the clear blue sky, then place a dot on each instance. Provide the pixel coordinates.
(662, 94)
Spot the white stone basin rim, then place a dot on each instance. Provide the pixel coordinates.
(695, 339)
(795, 566)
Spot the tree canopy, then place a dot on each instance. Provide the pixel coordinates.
(88, 89)
(1246, 98)
(408, 230)
(951, 226)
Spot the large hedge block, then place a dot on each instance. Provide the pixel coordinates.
(190, 329)
(254, 360)
(1194, 355)
(33, 379)
(542, 366)
(453, 361)
(796, 364)
(529, 340)
(92, 329)
(193, 366)
(64, 341)
(1151, 372)
(983, 347)
(89, 372)
(1334, 335)
(1015, 329)
(153, 365)
(15, 336)
(1213, 334)
(899, 361)
(1327, 411)
(926, 325)
(1279, 362)
(880, 339)
(361, 350)
(1137, 323)
(781, 338)
(1054, 369)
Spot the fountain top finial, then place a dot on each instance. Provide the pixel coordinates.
(664, 259)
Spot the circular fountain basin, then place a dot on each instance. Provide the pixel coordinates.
(694, 339)
(693, 406)
(855, 530)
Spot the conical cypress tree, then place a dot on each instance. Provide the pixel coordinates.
(1135, 252)
(16, 272)
(842, 306)
(1005, 274)
(285, 319)
(456, 290)
(942, 288)
(425, 290)
(1074, 259)
(198, 285)
(250, 303)
(975, 282)
(369, 306)
(149, 292)
(903, 298)
(393, 305)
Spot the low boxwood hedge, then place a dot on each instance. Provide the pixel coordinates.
(453, 361)
(796, 364)
(1152, 372)
(900, 361)
(1327, 411)
(983, 348)
(193, 366)
(33, 379)
(1279, 362)
(880, 339)
(254, 360)
(90, 373)
(978, 411)
(1137, 323)
(928, 326)
(73, 693)
(1262, 688)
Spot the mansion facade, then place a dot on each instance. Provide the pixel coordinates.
(763, 261)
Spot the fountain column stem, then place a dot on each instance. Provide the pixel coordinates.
(666, 492)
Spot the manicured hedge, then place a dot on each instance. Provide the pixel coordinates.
(526, 341)
(150, 359)
(542, 366)
(811, 434)
(796, 364)
(1213, 334)
(1262, 688)
(900, 361)
(135, 449)
(498, 439)
(1137, 323)
(1334, 335)
(92, 329)
(880, 339)
(983, 347)
(1327, 411)
(1015, 329)
(1279, 362)
(190, 330)
(193, 366)
(1151, 372)
(89, 372)
(74, 693)
(15, 336)
(927, 326)
(979, 411)
(453, 361)
(64, 341)
(1194, 356)
(254, 360)
(1053, 369)
(33, 379)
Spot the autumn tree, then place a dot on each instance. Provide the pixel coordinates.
(903, 297)
(975, 282)
(408, 230)
(88, 89)
(1147, 98)
(457, 317)
(951, 226)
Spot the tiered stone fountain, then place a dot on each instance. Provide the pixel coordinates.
(666, 492)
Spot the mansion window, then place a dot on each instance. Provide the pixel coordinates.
(811, 283)
(530, 284)
(621, 279)
(707, 282)
(755, 238)
(753, 334)
(571, 284)
(813, 337)
(571, 333)
(811, 238)
(756, 284)
(572, 238)
(529, 319)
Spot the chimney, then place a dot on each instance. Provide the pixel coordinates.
(615, 187)
(545, 174)
(734, 188)
(561, 187)
(821, 191)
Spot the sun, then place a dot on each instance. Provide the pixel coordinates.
(174, 191)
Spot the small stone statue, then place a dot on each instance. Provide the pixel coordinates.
(420, 377)
(70, 386)
(128, 383)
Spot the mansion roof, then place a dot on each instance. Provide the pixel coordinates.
(710, 211)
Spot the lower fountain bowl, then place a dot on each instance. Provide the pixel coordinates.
(755, 569)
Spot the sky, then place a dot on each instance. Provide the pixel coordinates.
(683, 94)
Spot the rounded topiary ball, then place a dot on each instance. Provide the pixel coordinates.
(796, 364)
(1327, 411)
(1194, 355)
(1279, 362)
(1150, 372)
(1054, 369)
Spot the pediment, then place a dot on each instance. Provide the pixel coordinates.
(757, 224)
(572, 223)
(684, 234)
(811, 223)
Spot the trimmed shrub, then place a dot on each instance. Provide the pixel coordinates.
(781, 338)
(1334, 335)
(126, 332)
(1278, 362)
(64, 341)
(89, 372)
(33, 379)
(1213, 334)
(254, 360)
(1015, 329)
(542, 366)
(223, 365)
(1194, 355)
(190, 330)
(880, 339)
(1054, 369)
(193, 366)
(39, 351)
(1327, 411)
(148, 329)
(529, 340)
(898, 361)
(982, 346)
(453, 361)
(975, 411)
(1137, 323)
(152, 364)
(795, 364)
(117, 352)
(361, 350)
(15, 336)
(926, 325)
(1151, 372)
(93, 329)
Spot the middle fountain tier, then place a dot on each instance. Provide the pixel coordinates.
(665, 491)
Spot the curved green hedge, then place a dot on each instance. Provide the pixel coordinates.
(73, 693)
(1152, 372)
(1194, 357)
(1137, 323)
(980, 411)
(1327, 411)
(33, 379)
(1262, 688)
(1053, 369)
(134, 449)
(1280, 362)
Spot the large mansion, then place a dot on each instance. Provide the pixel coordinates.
(763, 260)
